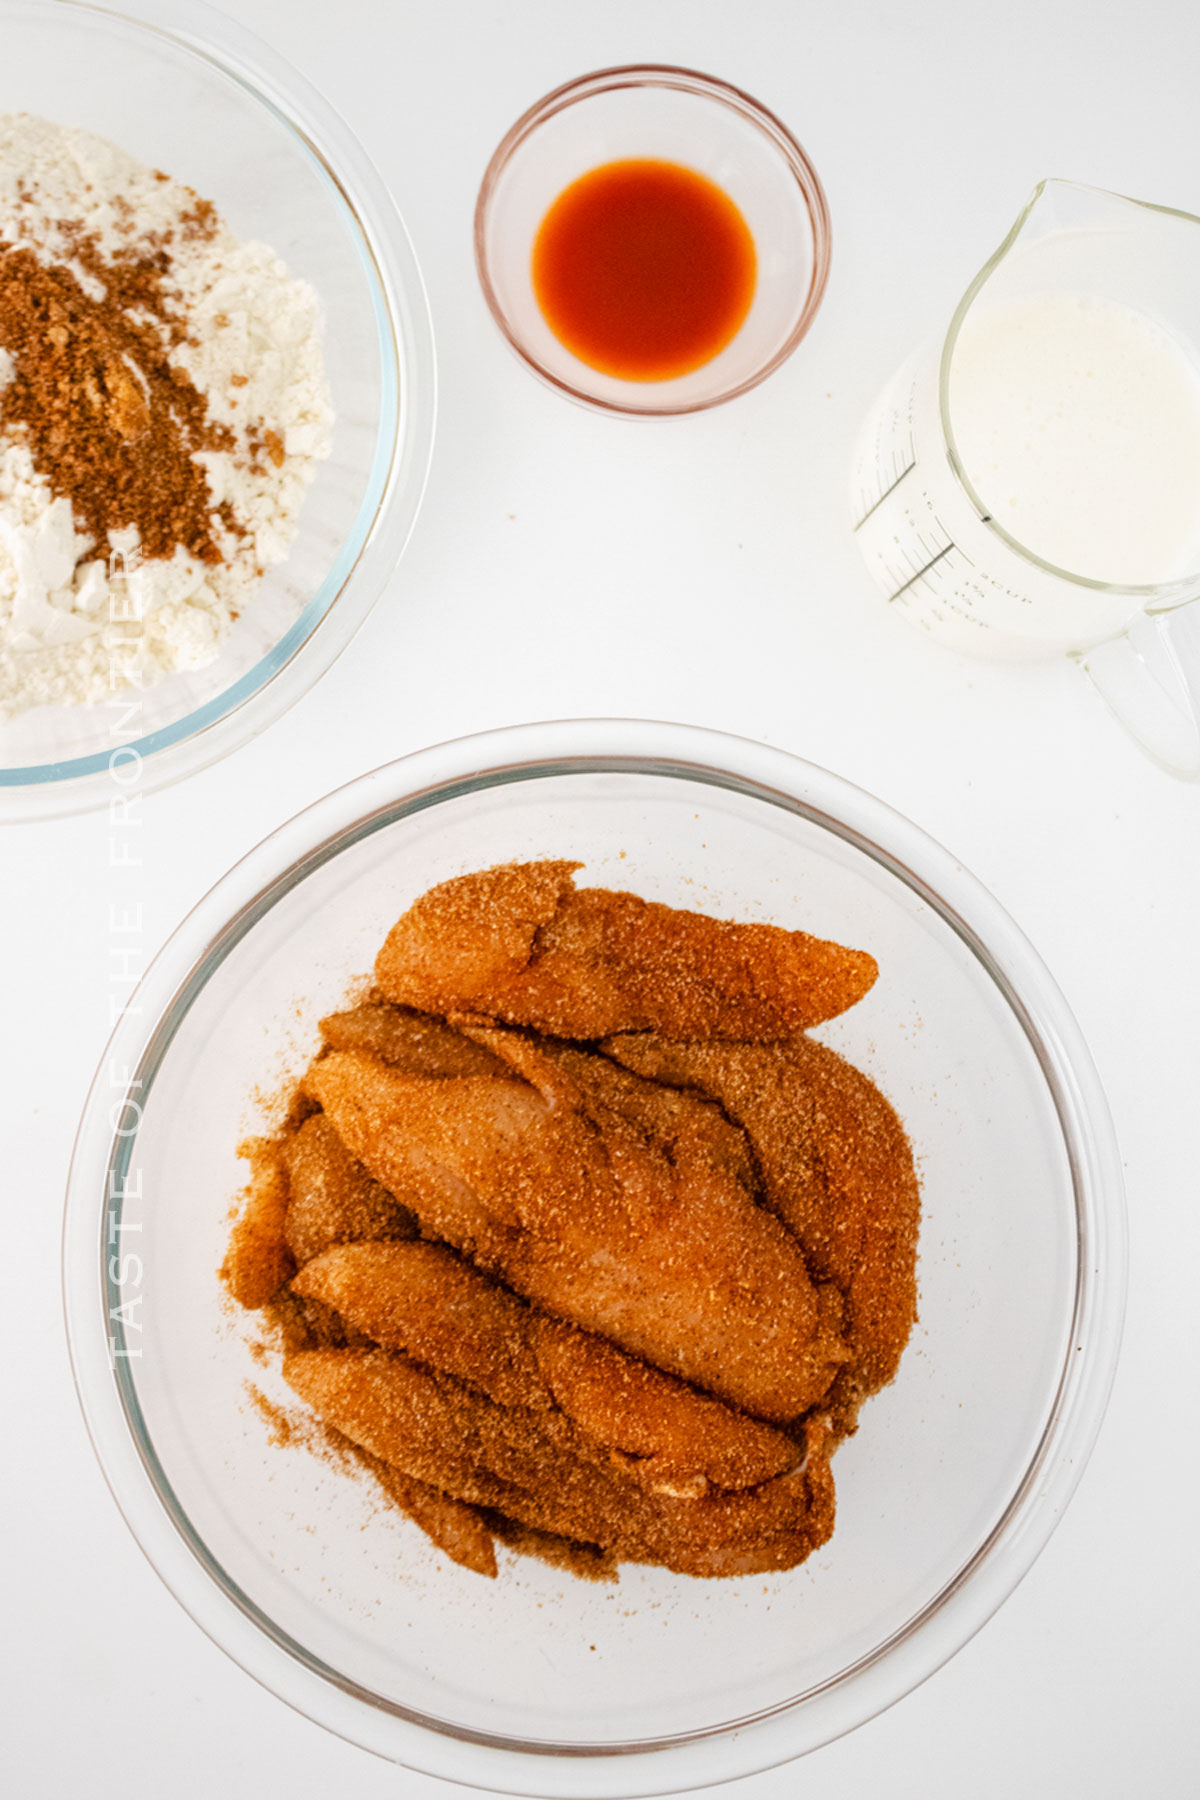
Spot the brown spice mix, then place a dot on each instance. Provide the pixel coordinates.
(110, 421)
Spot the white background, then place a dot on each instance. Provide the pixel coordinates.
(701, 570)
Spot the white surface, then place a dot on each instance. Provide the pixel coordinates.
(567, 564)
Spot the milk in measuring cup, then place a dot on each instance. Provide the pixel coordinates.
(1028, 483)
(1077, 423)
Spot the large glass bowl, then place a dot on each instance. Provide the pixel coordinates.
(537, 1683)
(192, 93)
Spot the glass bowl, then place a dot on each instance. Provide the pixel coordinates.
(536, 1683)
(193, 94)
(674, 115)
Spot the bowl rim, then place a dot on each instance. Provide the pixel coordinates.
(403, 451)
(964, 1603)
(683, 80)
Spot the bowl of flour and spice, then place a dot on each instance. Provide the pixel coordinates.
(216, 396)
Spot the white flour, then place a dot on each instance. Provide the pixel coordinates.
(73, 610)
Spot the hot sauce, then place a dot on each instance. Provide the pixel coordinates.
(644, 269)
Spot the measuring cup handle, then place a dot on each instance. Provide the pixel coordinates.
(1150, 680)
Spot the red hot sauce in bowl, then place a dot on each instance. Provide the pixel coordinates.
(644, 269)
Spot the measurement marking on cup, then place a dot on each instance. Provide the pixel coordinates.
(884, 495)
(920, 572)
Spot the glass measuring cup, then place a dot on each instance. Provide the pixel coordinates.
(932, 542)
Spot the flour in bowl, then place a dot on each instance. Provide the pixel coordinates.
(163, 406)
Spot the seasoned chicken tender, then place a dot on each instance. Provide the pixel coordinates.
(457, 1528)
(424, 1300)
(665, 1253)
(663, 1433)
(330, 1198)
(452, 1437)
(520, 943)
(589, 1561)
(583, 1080)
(836, 1168)
(412, 1041)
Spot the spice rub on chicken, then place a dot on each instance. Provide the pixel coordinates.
(522, 944)
(835, 1168)
(576, 1237)
(660, 1249)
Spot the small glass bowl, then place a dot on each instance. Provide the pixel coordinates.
(674, 115)
(191, 92)
(536, 1683)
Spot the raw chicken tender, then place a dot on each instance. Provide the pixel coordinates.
(520, 943)
(836, 1168)
(426, 1301)
(667, 1255)
(408, 1040)
(529, 1467)
(330, 1198)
